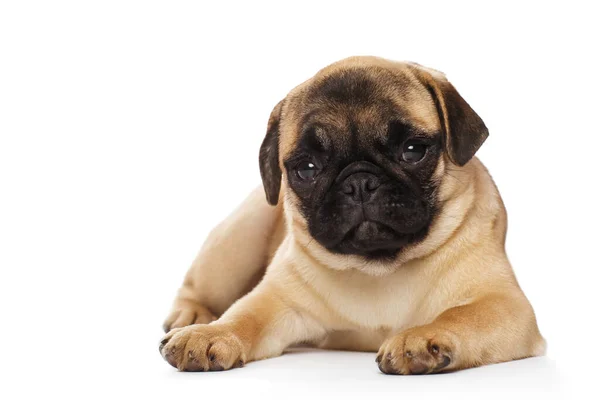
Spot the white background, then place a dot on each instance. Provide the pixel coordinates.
(129, 129)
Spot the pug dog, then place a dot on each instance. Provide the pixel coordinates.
(380, 231)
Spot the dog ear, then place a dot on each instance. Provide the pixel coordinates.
(269, 157)
(463, 130)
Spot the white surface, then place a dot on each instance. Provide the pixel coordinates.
(129, 128)
(310, 373)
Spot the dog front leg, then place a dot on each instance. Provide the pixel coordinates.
(260, 325)
(492, 329)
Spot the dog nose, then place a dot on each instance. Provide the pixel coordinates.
(360, 186)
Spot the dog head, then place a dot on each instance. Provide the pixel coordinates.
(362, 149)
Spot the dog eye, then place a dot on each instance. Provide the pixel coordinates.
(306, 170)
(413, 151)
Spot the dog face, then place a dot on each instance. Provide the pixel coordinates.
(361, 148)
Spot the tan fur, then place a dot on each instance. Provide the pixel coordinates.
(452, 295)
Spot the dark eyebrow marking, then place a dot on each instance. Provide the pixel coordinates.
(314, 137)
(398, 131)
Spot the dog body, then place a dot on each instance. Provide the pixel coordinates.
(380, 232)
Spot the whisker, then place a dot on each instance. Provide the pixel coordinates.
(309, 242)
(453, 177)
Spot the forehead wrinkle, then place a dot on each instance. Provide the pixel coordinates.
(401, 88)
(349, 86)
(387, 91)
(325, 117)
(375, 119)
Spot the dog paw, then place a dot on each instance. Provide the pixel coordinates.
(417, 351)
(187, 312)
(202, 348)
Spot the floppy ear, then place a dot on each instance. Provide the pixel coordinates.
(464, 132)
(269, 157)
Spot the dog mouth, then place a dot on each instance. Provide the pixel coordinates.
(370, 233)
(371, 239)
(374, 229)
